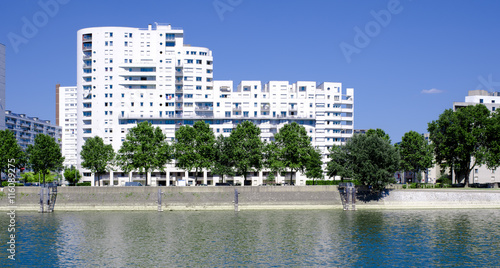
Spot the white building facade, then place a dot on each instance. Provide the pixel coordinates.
(129, 75)
(66, 118)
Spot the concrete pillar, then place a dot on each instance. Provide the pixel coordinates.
(130, 176)
(261, 180)
(205, 177)
(111, 178)
(92, 179)
(186, 177)
(167, 177)
(149, 180)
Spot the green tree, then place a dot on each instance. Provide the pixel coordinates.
(314, 164)
(195, 147)
(72, 175)
(372, 160)
(415, 152)
(272, 160)
(460, 139)
(493, 141)
(339, 164)
(97, 156)
(246, 148)
(294, 147)
(378, 132)
(223, 164)
(45, 155)
(9, 149)
(145, 149)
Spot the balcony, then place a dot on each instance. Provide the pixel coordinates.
(265, 107)
(236, 108)
(292, 108)
(179, 82)
(87, 56)
(87, 48)
(204, 108)
(178, 108)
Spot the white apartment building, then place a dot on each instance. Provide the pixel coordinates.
(2, 86)
(128, 75)
(66, 118)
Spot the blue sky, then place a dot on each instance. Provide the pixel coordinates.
(406, 71)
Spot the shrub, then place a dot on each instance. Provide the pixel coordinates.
(87, 183)
(6, 183)
(328, 182)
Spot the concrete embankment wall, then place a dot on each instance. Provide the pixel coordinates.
(180, 198)
(433, 199)
(265, 197)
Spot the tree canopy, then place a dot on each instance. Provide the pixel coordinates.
(314, 164)
(370, 159)
(246, 148)
(339, 164)
(293, 147)
(416, 153)
(145, 149)
(97, 156)
(195, 147)
(223, 164)
(460, 139)
(9, 149)
(378, 132)
(72, 175)
(45, 155)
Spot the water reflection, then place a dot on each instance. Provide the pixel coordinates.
(259, 238)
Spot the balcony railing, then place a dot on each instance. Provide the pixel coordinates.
(204, 108)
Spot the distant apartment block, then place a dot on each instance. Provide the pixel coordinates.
(66, 119)
(26, 128)
(129, 75)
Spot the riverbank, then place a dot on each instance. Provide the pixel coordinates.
(249, 198)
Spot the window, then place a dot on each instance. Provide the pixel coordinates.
(481, 100)
(198, 61)
(198, 87)
(151, 104)
(198, 78)
(189, 61)
(228, 114)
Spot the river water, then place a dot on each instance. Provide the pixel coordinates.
(265, 238)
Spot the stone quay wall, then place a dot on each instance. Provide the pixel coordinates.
(250, 197)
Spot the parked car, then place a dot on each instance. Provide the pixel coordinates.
(133, 183)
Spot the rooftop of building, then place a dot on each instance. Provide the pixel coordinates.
(10, 113)
(482, 92)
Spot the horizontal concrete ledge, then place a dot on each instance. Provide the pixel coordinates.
(178, 208)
